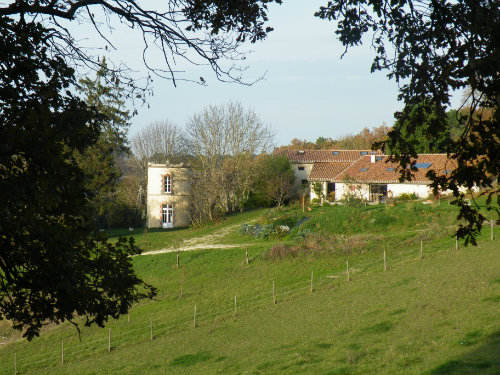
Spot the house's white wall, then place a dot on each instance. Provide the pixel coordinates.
(301, 175)
(313, 195)
(179, 198)
(342, 190)
(421, 190)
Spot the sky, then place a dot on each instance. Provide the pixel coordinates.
(308, 90)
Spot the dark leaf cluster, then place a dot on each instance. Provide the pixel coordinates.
(433, 48)
(51, 268)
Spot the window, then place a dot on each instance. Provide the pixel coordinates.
(363, 153)
(447, 171)
(363, 169)
(305, 183)
(335, 152)
(423, 165)
(300, 168)
(389, 169)
(378, 158)
(167, 213)
(167, 184)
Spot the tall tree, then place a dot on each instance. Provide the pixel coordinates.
(99, 161)
(414, 131)
(51, 268)
(432, 48)
(223, 141)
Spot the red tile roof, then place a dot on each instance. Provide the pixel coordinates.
(327, 171)
(322, 156)
(365, 171)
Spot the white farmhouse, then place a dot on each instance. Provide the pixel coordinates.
(362, 174)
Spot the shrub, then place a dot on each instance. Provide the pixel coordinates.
(331, 196)
(264, 231)
(407, 196)
(248, 229)
(282, 251)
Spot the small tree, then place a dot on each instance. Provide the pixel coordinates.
(353, 193)
(276, 178)
(317, 188)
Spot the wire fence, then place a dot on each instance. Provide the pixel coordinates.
(145, 331)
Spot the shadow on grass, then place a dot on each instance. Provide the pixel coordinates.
(190, 359)
(482, 360)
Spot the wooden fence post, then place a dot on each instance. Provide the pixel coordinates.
(347, 267)
(235, 311)
(109, 340)
(385, 264)
(151, 327)
(194, 319)
(312, 281)
(274, 295)
(62, 351)
(248, 260)
(177, 260)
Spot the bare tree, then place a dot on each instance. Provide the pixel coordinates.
(223, 141)
(158, 142)
(227, 130)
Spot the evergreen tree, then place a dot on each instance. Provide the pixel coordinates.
(99, 161)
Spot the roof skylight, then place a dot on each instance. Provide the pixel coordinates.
(422, 165)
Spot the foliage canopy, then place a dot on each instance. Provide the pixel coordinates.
(51, 268)
(432, 48)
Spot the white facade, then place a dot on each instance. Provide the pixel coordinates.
(420, 190)
(302, 172)
(168, 196)
(354, 190)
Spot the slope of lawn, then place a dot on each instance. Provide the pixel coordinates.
(436, 314)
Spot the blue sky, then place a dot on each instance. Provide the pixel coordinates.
(308, 90)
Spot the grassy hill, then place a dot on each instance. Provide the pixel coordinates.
(436, 314)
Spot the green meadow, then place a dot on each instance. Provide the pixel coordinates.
(337, 307)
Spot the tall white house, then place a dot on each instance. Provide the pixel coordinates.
(168, 196)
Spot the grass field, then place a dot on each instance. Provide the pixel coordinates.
(439, 314)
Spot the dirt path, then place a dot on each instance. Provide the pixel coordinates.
(199, 243)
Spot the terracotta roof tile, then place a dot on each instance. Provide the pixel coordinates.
(381, 171)
(327, 171)
(322, 156)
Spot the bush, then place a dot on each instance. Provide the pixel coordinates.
(282, 251)
(264, 231)
(247, 229)
(407, 196)
(331, 196)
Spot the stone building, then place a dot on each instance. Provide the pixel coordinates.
(168, 196)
